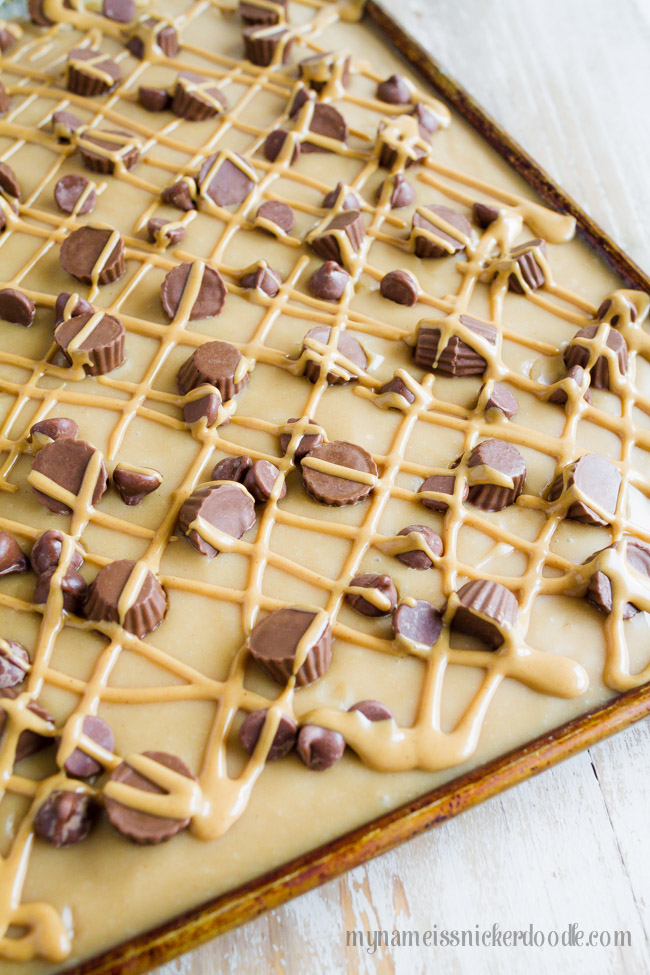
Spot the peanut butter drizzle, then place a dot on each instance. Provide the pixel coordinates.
(217, 799)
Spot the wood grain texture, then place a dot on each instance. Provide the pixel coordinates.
(568, 79)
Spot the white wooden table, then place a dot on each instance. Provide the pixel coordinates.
(570, 80)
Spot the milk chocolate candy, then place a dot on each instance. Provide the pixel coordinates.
(500, 401)
(64, 463)
(228, 508)
(487, 611)
(226, 180)
(90, 72)
(341, 238)
(138, 825)
(83, 255)
(428, 123)
(65, 818)
(330, 488)
(64, 308)
(37, 13)
(284, 739)
(74, 589)
(16, 307)
(65, 124)
(531, 273)
(301, 96)
(440, 484)
(12, 558)
(102, 348)
(320, 748)
(231, 469)
(5, 100)
(154, 32)
(133, 484)
(104, 150)
(457, 357)
(75, 194)
(29, 742)
(121, 11)
(274, 143)
(14, 663)
(54, 428)
(327, 122)
(394, 90)
(498, 461)
(79, 765)
(260, 480)
(575, 375)
(430, 236)
(416, 624)
(615, 318)
(262, 43)
(147, 607)
(202, 403)
(483, 214)
(218, 364)
(261, 276)
(346, 346)
(319, 69)
(372, 710)
(400, 287)
(341, 198)
(399, 387)
(328, 282)
(46, 552)
(275, 217)
(401, 143)
(269, 13)
(154, 99)
(599, 590)
(181, 195)
(206, 284)
(165, 232)
(402, 193)
(9, 182)
(302, 445)
(577, 353)
(196, 99)
(416, 558)
(382, 594)
(594, 479)
(275, 641)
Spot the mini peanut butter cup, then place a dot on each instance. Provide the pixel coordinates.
(399, 388)
(269, 13)
(54, 428)
(165, 233)
(9, 34)
(483, 214)
(65, 308)
(81, 765)
(73, 588)
(346, 346)
(301, 445)
(400, 287)
(218, 364)
(591, 478)
(134, 484)
(154, 99)
(14, 663)
(382, 594)
(622, 312)
(75, 194)
(416, 624)
(91, 72)
(486, 611)
(261, 276)
(260, 480)
(372, 710)
(64, 463)
(228, 508)
(16, 307)
(46, 552)
(83, 255)
(136, 824)
(531, 271)
(394, 90)
(327, 122)
(320, 69)
(341, 198)
(9, 182)
(277, 639)
(457, 357)
(104, 150)
(226, 178)
(320, 748)
(599, 589)
(65, 818)
(274, 143)
(341, 237)
(439, 484)
(500, 401)
(29, 742)
(12, 557)
(121, 11)
(202, 281)
(196, 98)
(261, 44)
(36, 11)
(155, 33)
(231, 469)
(575, 377)
(148, 604)
(284, 739)
(65, 124)
(326, 485)
(102, 348)
(329, 282)
(430, 236)
(181, 194)
(500, 460)
(275, 217)
(202, 403)
(416, 558)
(402, 193)
(577, 353)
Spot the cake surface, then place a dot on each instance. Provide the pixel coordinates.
(350, 469)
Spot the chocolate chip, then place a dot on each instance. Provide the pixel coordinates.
(575, 375)
(12, 558)
(64, 463)
(62, 311)
(138, 825)
(429, 236)
(498, 458)
(484, 215)
(341, 198)
(181, 195)
(226, 181)
(328, 282)
(279, 215)
(501, 400)
(341, 237)
(400, 287)
(65, 818)
(148, 605)
(231, 469)
(302, 445)
(103, 348)
(394, 90)
(284, 739)
(416, 558)
(83, 255)
(54, 428)
(592, 478)
(486, 611)
(346, 346)
(217, 364)
(275, 641)
(97, 78)
(9, 182)
(402, 193)
(16, 307)
(373, 710)
(82, 766)
(9, 34)
(165, 232)
(382, 594)
(457, 357)
(261, 44)
(46, 552)
(599, 590)
(327, 122)
(578, 353)
(428, 124)
(261, 276)
(260, 480)
(274, 143)
(133, 484)
(267, 13)
(154, 99)
(73, 588)
(399, 387)
(203, 402)
(29, 742)
(122, 11)
(196, 99)
(329, 488)
(105, 150)
(531, 274)
(320, 748)
(439, 484)
(416, 624)
(65, 124)
(228, 508)
(14, 663)
(70, 189)
(210, 296)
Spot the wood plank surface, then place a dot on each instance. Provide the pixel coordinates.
(570, 80)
